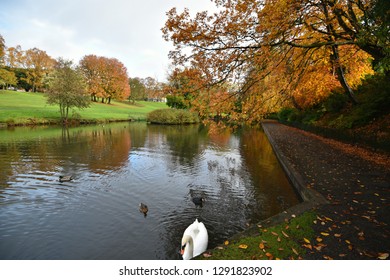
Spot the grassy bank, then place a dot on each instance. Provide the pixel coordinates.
(288, 240)
(20, 108)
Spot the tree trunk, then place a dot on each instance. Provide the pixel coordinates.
(335, 56)
(340, 75)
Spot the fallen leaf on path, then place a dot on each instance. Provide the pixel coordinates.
(243, 246)
(337, 234)
(324, 233)
(318, 248)
(261, 246)
(295, 251)
(308, 246)
(274, 233)
(383, 256)
(285, 234)
(306, 240)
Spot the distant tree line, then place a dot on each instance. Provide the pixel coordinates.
(105, 78)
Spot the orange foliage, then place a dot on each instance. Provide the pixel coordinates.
(254, 56)
(106, 77)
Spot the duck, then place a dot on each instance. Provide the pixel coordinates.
(143, 208)
(194, 241)
(65, 178)
(198, 201)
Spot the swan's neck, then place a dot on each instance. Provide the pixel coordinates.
(189, 247)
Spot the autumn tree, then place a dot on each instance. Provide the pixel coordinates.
(67, 89)
(39, 64)
(115, 80)
(7, 78)
(137, 88)
(153, 88)
(247, 42)
(106, 78)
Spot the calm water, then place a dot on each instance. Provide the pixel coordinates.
(116, 167)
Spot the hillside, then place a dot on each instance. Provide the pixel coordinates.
(21, 108)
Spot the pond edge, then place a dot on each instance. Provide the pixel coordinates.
(311, 199)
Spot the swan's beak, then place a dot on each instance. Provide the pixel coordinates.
(182, 249)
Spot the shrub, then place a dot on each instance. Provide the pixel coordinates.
(285, 113)
(335, 102)
(172, 116)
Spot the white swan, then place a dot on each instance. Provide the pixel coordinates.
(194, 241)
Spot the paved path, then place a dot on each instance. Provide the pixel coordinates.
(353, 223)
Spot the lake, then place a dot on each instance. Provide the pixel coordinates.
(117, 166)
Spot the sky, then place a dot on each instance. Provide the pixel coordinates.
(128, 30)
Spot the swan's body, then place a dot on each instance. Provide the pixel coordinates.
(195, 240)
(143, 208)
(65, 178)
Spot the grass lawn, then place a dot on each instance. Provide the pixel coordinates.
(288, 240)
(26, 108)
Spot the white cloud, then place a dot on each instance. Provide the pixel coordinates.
(129, 30)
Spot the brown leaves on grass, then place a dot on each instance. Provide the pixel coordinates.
(261, 246)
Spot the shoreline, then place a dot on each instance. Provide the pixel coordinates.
(346, 187)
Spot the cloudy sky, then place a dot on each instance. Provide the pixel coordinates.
(128, 30)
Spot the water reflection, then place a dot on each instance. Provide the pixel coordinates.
(116, 167)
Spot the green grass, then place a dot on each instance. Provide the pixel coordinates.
(19, 108)
(284, 241)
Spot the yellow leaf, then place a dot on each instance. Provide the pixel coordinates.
(261, 246)
(306, 240)
(348, 242)
(324, 233)
(242, 246)
(226, 242)
(383, 256)
(319, 239)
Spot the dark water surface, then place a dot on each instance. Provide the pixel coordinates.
(117, 166)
